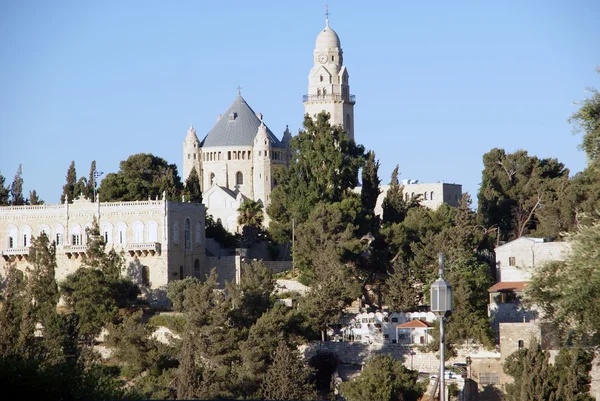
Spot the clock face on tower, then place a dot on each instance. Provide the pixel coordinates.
(322, 58)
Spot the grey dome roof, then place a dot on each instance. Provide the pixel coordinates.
(237, 127)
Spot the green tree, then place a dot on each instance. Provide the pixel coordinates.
(70, 187)
(402, 294)
(394, 206)
(324, 165)
(42, 257)
(289, 377)
(187, 373)
(587, 121)
(252, 296)
(176, 291)
(89, 189)
(192, 187)
(369, 192)
(34, 199)
(140, 177)
(4, 192)
(250, 217)
(383, 379)
(14, 302)
(16, 189)
(562, 290)
(516, 188)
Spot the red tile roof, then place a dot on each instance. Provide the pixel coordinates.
(413, 324)
(508, 286)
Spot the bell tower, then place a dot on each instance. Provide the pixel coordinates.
(328, 82)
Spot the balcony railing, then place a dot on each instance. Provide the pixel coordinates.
(19, 253)
(74, 250)
(144, 248)
(335, 96)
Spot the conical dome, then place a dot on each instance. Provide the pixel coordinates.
(327, 38)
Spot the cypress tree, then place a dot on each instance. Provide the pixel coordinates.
(192, 187)
(16, 189)
(369, 193)
(71, 184)
(4, 192)
(394, 206)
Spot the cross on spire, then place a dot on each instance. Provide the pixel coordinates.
(327, 14)
(239, 89)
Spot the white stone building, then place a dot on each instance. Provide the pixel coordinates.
(515, 263)
(162, 240)
(235, 159)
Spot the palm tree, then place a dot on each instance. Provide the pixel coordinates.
(250, 214)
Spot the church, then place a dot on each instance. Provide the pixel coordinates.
(235, 159)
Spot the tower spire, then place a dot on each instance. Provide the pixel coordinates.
(327, 15)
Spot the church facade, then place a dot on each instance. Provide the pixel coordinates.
(235, 160)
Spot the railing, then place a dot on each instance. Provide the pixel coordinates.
(335, 96)
(18, 252)
(143, 248)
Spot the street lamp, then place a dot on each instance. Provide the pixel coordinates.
(441, 305)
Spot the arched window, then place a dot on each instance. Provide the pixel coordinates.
(412, 195)
(138, 232)
(188, 234)
(321, 78)
(239, 178)
(198, 233)
(26, 236)
(59, 231)
(425, 196)
(197, 268)
(44, 228)
(324, 92)
(212, 178)
(13, 234)
(121, 233)
(406, 196)
(152, 231)
(176, 232)
(107, 231)
(76, 234)
(431, 195)
(145, 276)
(319, 92)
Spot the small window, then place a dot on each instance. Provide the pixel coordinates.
(11, 242)
(229, 155)
(189, 156)
(194, 156)
(512, 261)
(386, 319)
(58, 239)
(239, 178)
(521, 344)
(76, 239)
(386, 336)
(197, 268)
(394, 320)
(431, 195)
(187, 234)
(332, 58)
(321, 78)
(181, 272)
(425, 196)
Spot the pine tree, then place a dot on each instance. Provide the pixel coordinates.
(394, 206)
(288, 377)
(16, 189)
(368, 195)
(91, 182)
(42, 256)
(70, 187)
(34, 199)
(192, 187)
(4, 192)
(187, 375)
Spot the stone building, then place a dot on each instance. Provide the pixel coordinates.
(162, 240)
(515, 262)
(235, 159)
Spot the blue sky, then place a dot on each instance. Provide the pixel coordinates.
(437, 83)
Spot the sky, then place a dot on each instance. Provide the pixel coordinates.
(437, 83)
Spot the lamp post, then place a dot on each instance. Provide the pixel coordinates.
(441, 305)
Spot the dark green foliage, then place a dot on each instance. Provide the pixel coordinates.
(140, 177)
(90, 185)
(587, 121)
(563, 290)
(383, 379)
(176, 290)
(70, 187)
(16, 189)
(252, 296)
(216, 231)
(324, 165)
(188, 376)
(288, 377)
(369, 192)
(42, 257)
(14, 304)
(519, 194)
(4, 191)
(537, 380)
(325, 364)
(34, 199)
(192, 187)
(251, 218)
(394, 206)
(402, 294)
